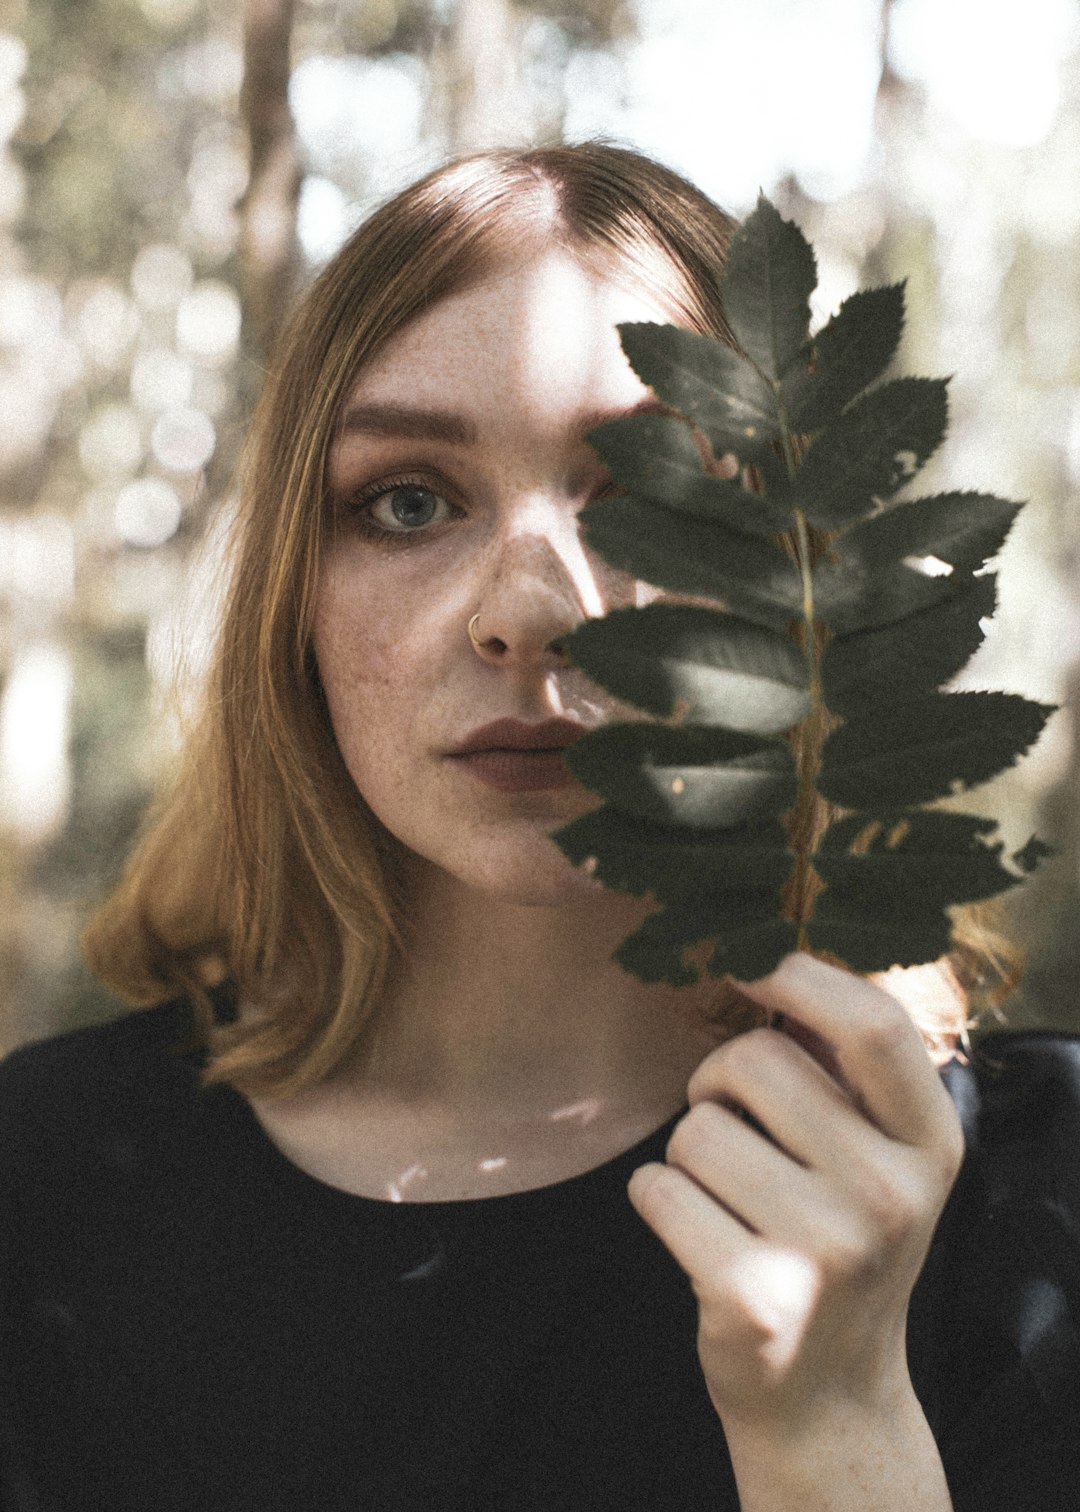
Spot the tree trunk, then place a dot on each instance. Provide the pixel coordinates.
(269, 250)
(483, 103)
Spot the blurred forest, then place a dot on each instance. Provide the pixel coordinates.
(171, 171)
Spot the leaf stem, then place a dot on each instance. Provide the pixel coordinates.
(808, 753)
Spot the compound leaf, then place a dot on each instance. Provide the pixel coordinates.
(862, 612)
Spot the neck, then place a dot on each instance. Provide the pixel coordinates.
(513, 1011)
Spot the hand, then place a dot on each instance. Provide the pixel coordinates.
(803, 1242)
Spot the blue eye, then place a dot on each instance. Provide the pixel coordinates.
(408, 506)
(398, 509)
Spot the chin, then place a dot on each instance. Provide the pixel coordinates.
(535, 883)
(526, 876)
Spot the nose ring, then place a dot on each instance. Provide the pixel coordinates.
(472, 632)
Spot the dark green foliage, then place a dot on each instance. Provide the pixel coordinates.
(890, 901)
(849, 352)
(701, 794)
(916, 654)
(720, 885)
(656, 458)
(872, 449)
(927, 747)
(687, 554)
(706, 382)
(771, 275)
(713, 669)
(1030, 855)
(873, 573)
(702, 776)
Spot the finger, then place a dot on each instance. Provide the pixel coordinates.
(878, 1049)
(790, 1096)
(753, 1179)
(698, 1232)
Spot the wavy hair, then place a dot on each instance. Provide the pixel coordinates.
(259, 863)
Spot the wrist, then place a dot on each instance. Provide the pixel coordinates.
(839, 1455)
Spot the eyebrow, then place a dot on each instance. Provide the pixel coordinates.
(407, 422)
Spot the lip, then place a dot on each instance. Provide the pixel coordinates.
(515, 757)
(516, 735)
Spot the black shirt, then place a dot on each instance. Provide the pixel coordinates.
(188, 1321)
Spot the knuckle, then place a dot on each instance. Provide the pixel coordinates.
(693, 1131)
(725, 1064)
(890, 1215)
(846, 1253)
(758, 1300)
(737, 1072)
(886, 1029)
(896, 1212)
(747, 1053)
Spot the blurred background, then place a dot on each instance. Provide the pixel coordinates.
(172, 171)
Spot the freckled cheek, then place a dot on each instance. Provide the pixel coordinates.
(372, 672)
(356, 659)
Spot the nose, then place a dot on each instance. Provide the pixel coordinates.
(538, 587)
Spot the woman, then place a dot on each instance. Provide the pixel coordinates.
(404, 1195)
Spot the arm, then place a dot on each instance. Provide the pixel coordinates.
(862, 1462)
(803, 1238)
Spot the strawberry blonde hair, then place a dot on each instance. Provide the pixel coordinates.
(259, 863)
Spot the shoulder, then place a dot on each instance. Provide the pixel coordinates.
(1019, 1100)
(60, 1094)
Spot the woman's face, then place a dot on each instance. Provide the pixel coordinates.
(457, 475)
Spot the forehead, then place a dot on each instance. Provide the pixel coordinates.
(548, 322)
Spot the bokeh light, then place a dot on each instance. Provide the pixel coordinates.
(13, 60)
(323, 218)
(110, 443)
(208, 322)
(182, 440)
(37, 560)
(30, 309)
(147, 512)
(216, 179)
(995, 68)
(106, 322)
(35, 776)
(761, 90)
(161, 275)
(356, 111)
(161, 379)
(169, 13)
